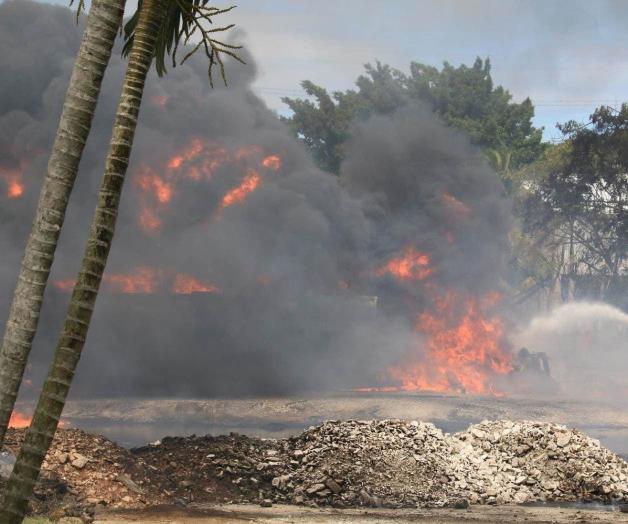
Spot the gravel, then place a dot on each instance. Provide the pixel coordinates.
(385, 463)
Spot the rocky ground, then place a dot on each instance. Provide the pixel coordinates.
(350, 464)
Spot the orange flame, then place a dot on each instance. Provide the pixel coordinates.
(149, 181)
(412, 265)
(15, 189)
(238, 194)
(13, 179)
(146, 280)
(186, 285)
(198, 160)
(464, 347)
(19, 421)
(142, 279)
(272, 162)
(189, 154)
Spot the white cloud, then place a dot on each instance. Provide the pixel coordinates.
(567, 55)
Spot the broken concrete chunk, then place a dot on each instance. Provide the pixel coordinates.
(79, 461)
(333, 486)
(563, 440)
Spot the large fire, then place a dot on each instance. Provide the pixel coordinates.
(462, 342)
(463, 349)
(198, 161)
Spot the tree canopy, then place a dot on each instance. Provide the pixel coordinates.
(464, 97)
(575, 202)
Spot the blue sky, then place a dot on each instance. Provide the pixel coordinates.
(568, 56)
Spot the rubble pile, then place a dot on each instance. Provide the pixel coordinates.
(82, 471)
(393, 463)
(354, 463)
(516, 462)
(387, 463)
(371, 463)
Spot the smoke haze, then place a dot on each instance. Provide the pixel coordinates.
(287, 262)
(586, 344)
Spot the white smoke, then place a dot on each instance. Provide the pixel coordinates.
(587, 345)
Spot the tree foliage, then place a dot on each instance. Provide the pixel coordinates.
(464, 97)
(575, 203)
(183, 20)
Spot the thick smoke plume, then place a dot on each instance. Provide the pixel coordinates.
(424, 185)
(220, 198)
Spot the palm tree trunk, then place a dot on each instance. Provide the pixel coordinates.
(103, 22)
(52, 399)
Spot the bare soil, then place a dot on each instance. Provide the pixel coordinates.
(220, 514)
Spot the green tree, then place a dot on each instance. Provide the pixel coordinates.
(103, 23)
(537, 259)
(464, 97)
(156, 30)
(579, 206)
(323, 124)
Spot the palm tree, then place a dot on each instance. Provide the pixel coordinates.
(155, 30)
(103, 23)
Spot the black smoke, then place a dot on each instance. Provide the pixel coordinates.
(294, 262)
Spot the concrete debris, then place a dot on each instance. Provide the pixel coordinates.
(79, 461)
(550, 463)
(386, 463)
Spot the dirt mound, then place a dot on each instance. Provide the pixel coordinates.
(83, 470)
(232, 468)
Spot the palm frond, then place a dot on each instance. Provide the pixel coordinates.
(79, 8)
(185, 20)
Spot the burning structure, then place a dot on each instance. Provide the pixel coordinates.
(260, 261)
